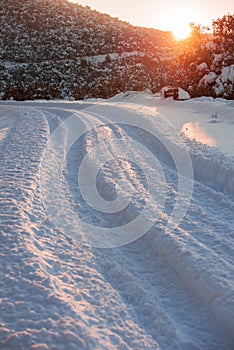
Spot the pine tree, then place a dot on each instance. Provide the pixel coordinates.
(223, 30)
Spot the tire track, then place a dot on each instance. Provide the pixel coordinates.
(169, 249)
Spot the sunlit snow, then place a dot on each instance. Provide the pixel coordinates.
(165, 289)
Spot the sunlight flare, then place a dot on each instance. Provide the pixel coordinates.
(178, 22)
(181, 30)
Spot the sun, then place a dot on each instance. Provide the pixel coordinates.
(178, 22)
(181, 30)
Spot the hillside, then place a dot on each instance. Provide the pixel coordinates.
(59, 49)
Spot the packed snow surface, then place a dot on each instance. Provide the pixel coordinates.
(66, 284)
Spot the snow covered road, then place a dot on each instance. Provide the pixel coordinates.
(83, 264)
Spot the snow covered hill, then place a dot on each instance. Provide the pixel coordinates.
(117, 225)
(48, 49)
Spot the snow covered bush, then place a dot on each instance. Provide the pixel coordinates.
(225, 83)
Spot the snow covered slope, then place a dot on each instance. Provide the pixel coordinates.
(117, 225)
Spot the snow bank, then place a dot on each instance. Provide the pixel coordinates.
(214, 172)
(183, 95)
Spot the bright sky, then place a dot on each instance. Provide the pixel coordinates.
(173, 15)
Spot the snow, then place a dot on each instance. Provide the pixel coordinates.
(217, 59)
(202, 66)
(183, 95)
(226, 77)
(117, 224)
(208, 79)
(113, 56)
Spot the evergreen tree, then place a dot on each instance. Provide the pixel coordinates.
(223, 30)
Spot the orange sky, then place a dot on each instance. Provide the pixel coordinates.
(164, 15)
